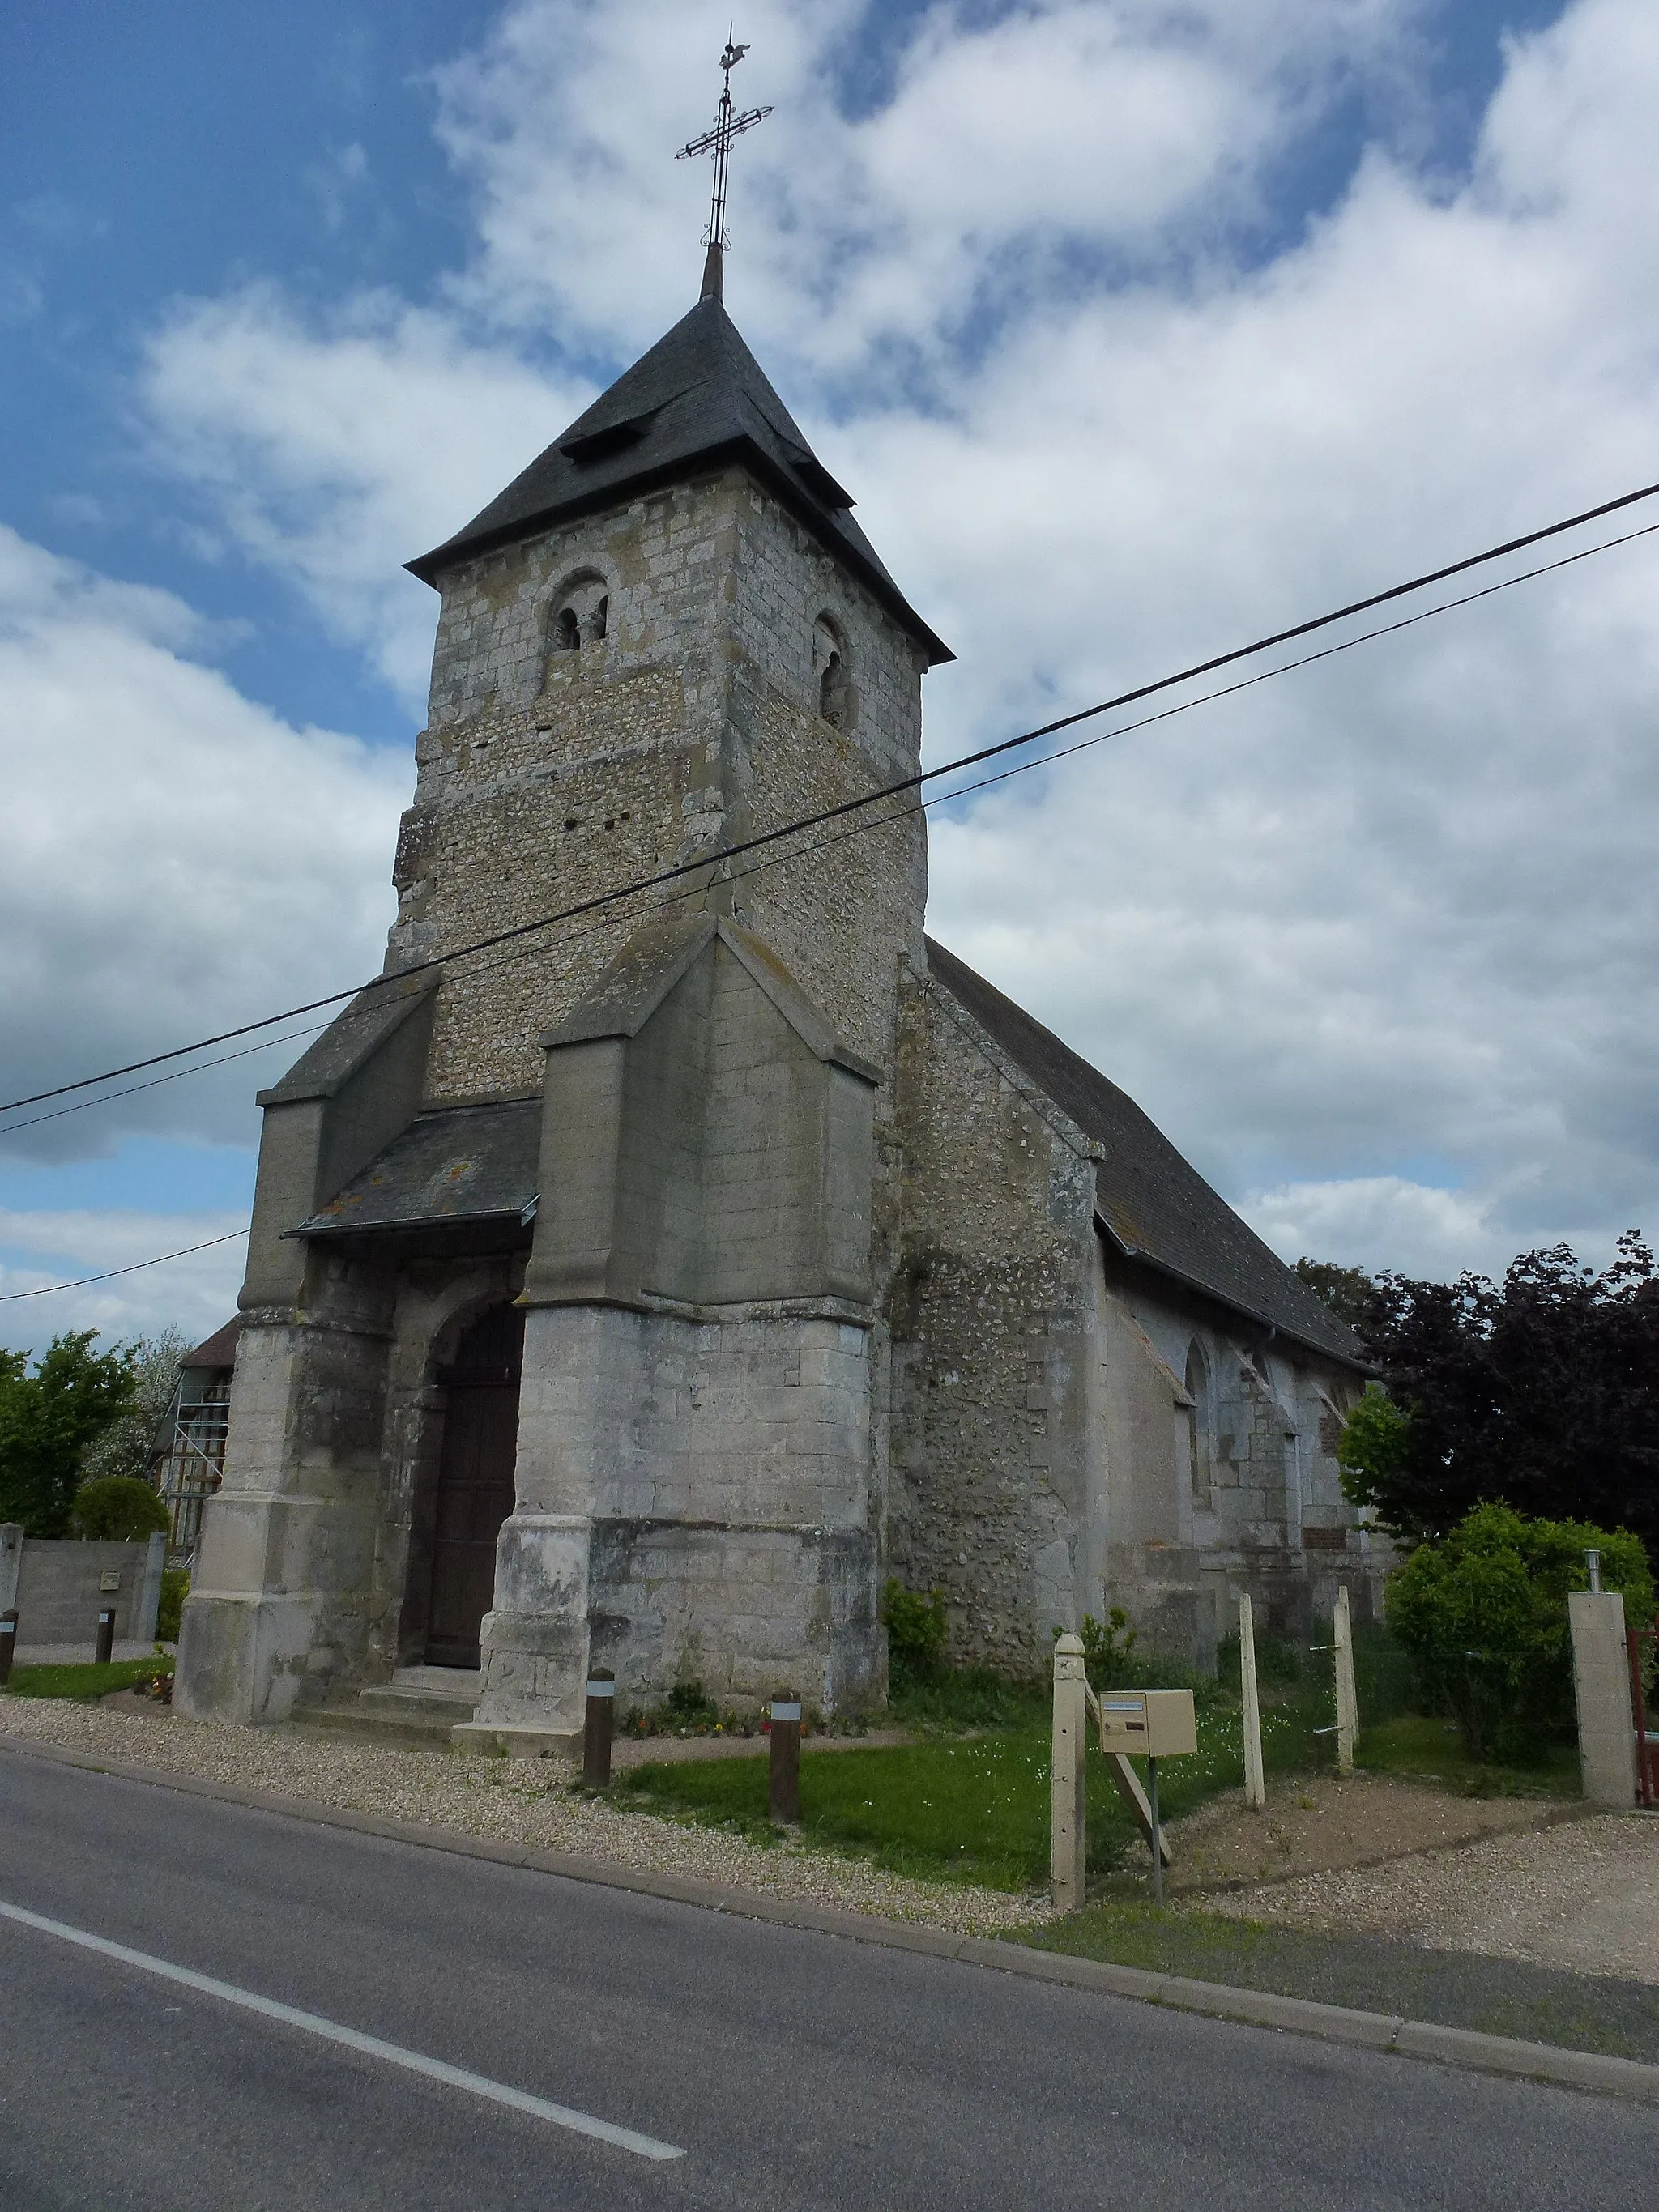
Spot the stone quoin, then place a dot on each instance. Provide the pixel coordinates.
(640, 1293)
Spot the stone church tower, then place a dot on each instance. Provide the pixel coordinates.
(560, 1336)
(640, 1281)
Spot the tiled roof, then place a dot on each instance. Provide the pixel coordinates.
(1154, 1205)
(457, 1164)
(697, 398)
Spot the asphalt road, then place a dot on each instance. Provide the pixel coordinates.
(788, 2068)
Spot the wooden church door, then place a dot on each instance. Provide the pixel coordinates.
(475, 1482)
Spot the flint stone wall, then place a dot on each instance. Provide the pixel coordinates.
(546, 777)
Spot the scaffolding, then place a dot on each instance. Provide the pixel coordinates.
(189, 1463)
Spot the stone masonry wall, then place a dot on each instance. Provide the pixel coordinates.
(1265, 1508)
(547, 777)
(993, 1321)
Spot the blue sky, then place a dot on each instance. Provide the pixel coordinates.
(285, 295)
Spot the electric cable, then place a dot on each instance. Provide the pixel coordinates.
(983, 783)
(110, 1273)
(868, 798)
(127, 1091)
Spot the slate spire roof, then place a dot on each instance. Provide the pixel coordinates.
(697, 398)
(1152, 1206)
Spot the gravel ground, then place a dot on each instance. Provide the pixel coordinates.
(1319, 1824)
(1583, 1896)
(515, 1801)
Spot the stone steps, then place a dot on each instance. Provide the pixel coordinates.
(419, 1707)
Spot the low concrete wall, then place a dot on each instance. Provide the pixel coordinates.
(58, 1587)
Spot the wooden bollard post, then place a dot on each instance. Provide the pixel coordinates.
(106, 1636)
(8, 1642)
(785, 1778)
(598, 1723)
(1255, 1782)
(1068, 1846)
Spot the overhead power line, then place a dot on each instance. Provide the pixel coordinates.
(109, 1275)
(903, 785)
(777, 859)
(129, 1089)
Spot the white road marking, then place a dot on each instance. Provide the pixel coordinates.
(311, 2023)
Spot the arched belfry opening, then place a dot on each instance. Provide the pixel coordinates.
(475, 1480)
(579, 614)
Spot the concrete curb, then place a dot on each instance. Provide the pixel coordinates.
(1448, 2046)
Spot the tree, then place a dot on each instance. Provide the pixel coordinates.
(1349, 1292)
(1483, 1611)
(1543, 1392)
(126, 1446)
(48, 1419)
(1371, 1453)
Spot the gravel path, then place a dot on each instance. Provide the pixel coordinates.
(514, 1801)
(1583, 1896)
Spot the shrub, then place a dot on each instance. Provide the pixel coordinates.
(175, 1589)
(1107, 1648)
(118, 1509)
(688, 1704)
(1483, 1611)
(916, 1629)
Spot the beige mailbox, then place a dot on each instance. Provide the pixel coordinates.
(1148, 1723)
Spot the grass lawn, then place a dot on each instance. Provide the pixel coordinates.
(1498, 1996)
(967, 1807)
(1432, 1749)
(86, 1683)
(970, 1801)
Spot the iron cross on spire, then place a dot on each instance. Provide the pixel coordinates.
(718, 142)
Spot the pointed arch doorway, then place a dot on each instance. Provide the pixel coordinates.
(475, 1481)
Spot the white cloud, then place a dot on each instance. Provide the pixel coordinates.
(174, 858)
(1116, 124)
(1428, 1233)
(1379, 935)
(332, 450)
(195, 1293)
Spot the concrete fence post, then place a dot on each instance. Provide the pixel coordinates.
(1256, 1784)
(1068, 1800)
(1600, 1687)
(11, 1562)
(1347, 1700)
(146, 1598)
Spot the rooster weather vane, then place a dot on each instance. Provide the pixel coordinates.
(718, 142)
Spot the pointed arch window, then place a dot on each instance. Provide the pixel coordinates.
(1198, 1431)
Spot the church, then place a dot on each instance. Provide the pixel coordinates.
(644, 1287)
